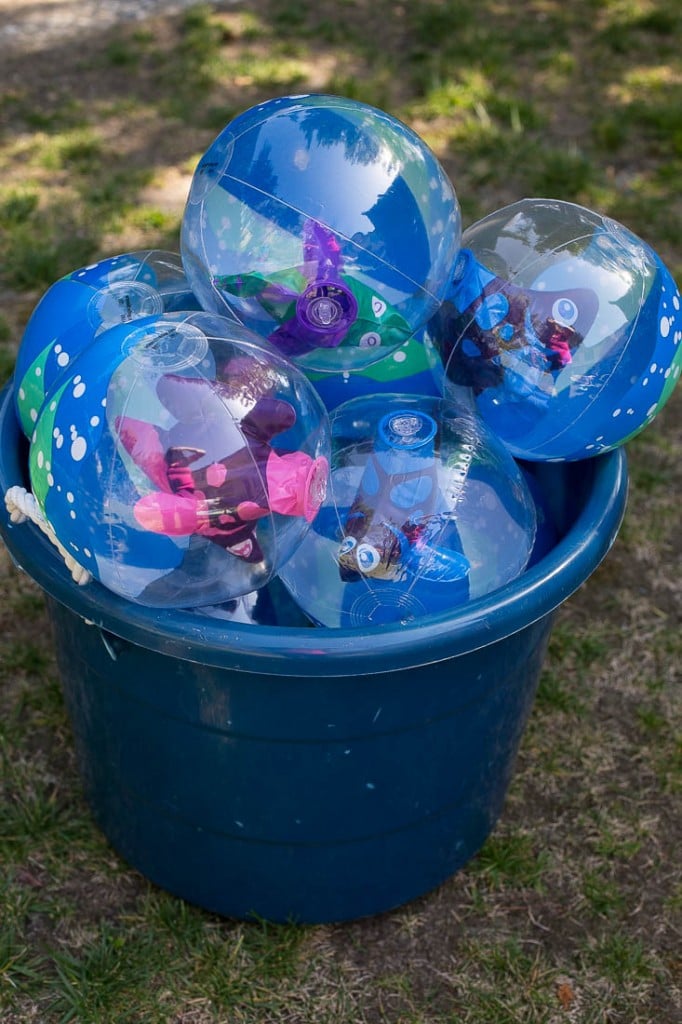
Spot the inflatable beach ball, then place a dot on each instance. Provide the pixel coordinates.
(323, 224)
(564, 325)
(78, 307)
(425, 510)
(179, 461)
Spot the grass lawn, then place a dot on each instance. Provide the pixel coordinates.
(572, 911)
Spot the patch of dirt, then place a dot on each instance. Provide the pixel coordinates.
(30, 27)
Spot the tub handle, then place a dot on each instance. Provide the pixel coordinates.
(113, 645)
(22, 505)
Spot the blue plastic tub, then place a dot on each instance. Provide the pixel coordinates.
(307, 774)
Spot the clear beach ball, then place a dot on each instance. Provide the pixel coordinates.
(565, 326)
(425, 510)
(323, 224)
(179, 460)
(78, 307)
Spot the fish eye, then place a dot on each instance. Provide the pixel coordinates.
(346, 545)
(565, 312)
(368, 558)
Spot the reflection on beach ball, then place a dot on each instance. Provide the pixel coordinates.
(179, 461)
(78, 307)
(425, 510)
(323, 224)
(565, 325)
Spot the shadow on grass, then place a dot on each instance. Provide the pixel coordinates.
(543, 104)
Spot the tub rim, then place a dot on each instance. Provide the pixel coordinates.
(323, 651)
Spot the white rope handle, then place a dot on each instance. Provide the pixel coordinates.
(22, 505)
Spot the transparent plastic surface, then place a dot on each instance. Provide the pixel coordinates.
(407, 370)
(78, 307)
(565, 325)
(425, 510)
(179, 460)
(323, 224)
